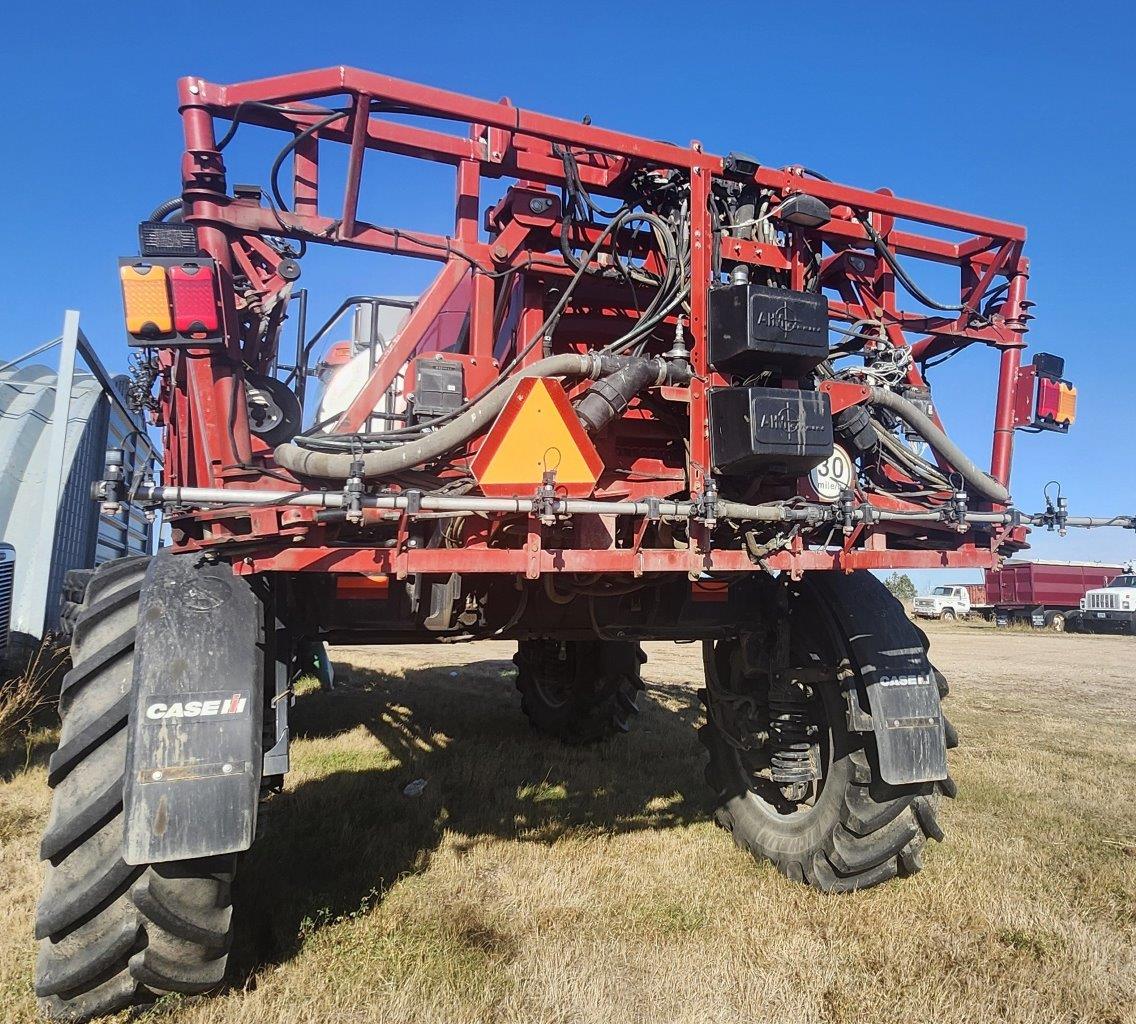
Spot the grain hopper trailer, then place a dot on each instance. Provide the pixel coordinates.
(1041, 593)
(652, 392)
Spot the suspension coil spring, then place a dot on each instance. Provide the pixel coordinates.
(790, 758)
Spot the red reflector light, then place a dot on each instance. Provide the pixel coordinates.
(1047, 398)
(194, 299)
(362, 587)
(1056, 402)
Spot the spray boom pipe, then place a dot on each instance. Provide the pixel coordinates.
(809, 514)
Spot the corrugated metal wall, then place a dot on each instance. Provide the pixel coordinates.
(83, 537)
(128, 532)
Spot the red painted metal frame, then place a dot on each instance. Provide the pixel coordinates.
(518, 561)
(209, 444)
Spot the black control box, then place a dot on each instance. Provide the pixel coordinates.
(439, 386)
(769, 430)
(754, 328)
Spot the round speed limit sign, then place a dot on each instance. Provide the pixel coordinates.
(831, 477)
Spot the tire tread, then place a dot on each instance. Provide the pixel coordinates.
(880, 831)
(608, 711)
(112, 935)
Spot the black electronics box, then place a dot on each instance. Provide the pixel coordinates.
(769, 430)
(439, 386)
(754, 328)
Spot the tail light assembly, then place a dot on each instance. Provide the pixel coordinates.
(170, 302)
(146, 300)
(194, 293)
(1045, 399)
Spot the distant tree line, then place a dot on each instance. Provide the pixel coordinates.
(899, 583)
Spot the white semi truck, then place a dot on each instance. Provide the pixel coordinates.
(1110, 609)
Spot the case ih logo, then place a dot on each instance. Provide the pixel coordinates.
(197, 706)
(907, 680)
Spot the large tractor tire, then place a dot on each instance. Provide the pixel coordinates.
(75, 583)
(579, 691)
(114, 935)
(848, 829)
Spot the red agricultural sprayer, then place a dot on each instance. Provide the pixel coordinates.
(651, 393)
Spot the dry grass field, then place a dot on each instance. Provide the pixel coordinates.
(529, 882)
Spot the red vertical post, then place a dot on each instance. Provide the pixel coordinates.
(468, 199)
(532, 316)
(305, 177)
(202, 174)
(359, 120)
(466, 207)
(1003, 451)
(481, 318)
(214, 390)
(701, 240)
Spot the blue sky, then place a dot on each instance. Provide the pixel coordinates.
(1016, 110)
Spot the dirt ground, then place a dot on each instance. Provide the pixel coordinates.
(530, 882)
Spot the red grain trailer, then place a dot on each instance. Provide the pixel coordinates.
(1043, 593)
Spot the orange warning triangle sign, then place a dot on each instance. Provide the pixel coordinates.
(537, 431)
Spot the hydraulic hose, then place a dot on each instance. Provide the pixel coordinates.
(172, 205)
(609, 397)
(337, 466)
(897, 268)
(980, 482)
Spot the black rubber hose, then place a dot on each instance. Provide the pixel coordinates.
(609, 397)
(291, 144)
(881, 247)
(171, 205)
(889, 257)
(329, 466)
(980, 482)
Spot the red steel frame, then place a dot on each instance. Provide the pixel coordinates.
(209, 443)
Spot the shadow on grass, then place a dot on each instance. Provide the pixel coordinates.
(333, 845)
(31, 748)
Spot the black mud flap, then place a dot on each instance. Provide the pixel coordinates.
(195, 746)
(902, 692)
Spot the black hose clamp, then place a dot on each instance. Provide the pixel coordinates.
(544, 501)
(353, 492)
(1061, 516)
(957, 511)
(846, 510)
(705, 509)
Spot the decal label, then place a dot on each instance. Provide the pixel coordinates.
(833, 477)
(908, 680)
(196, 707)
